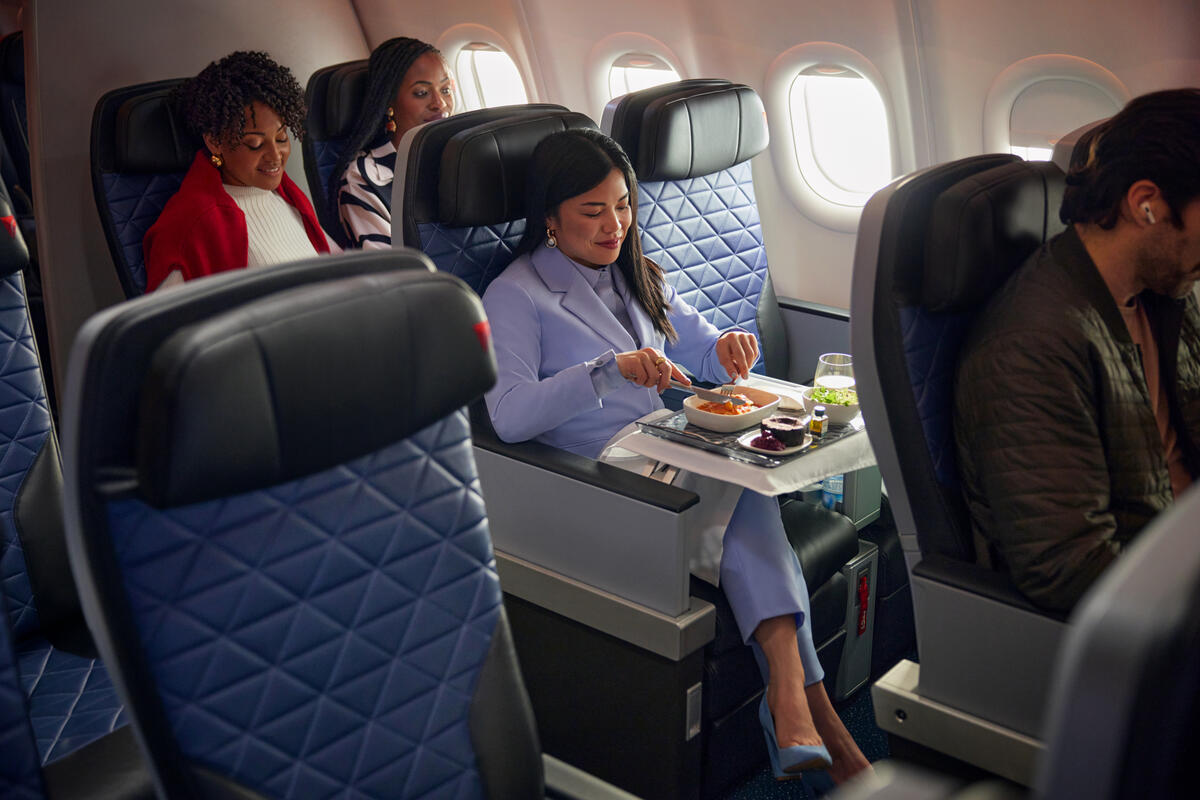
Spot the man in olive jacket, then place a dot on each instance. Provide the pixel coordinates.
(1077, 402)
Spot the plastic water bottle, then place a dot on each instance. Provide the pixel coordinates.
(831, 492)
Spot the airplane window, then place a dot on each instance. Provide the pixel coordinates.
(633, 72)
(840, 130)
(487, 77)
(1048, 109)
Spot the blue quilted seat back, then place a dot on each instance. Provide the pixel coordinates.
(297, 587)
(20, 772)
(24, 427)
(691, 143)
(140, 152)
(950, 236)
(464, 191)
(334, 96)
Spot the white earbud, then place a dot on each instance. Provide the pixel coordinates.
(1149, 214)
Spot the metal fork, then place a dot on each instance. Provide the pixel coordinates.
(712, 394)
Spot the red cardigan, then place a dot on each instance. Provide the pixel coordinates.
(201, 230)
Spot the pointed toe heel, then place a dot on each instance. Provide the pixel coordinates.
(789, 762)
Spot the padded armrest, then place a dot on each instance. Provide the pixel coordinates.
(586, 470)
(979, 580)
(824, 540)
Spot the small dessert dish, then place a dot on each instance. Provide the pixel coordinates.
(761, 442)
(787, 428)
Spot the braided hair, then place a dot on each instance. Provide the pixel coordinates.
(388, 65)
(215, 101)
(569, 163)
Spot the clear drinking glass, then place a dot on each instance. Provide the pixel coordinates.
(835, 371)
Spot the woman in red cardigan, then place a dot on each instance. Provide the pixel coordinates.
(236, 207)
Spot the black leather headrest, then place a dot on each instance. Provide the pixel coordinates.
(149, 137)
(423, 161)
(14, 253)
(983, 227)
(12, 58)
(345, 90)
(306, 379)
(482, 179)
(700, 128)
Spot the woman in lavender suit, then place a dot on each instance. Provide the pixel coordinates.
(587, 334)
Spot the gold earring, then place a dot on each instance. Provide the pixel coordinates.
(390, 126)
(550, 240)
(216, 160)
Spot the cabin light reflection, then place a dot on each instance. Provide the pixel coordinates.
(487, 77)
(841, 134)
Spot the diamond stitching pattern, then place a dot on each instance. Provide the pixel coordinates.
(326, 153)
(72, 700)
(931, 346)
(24, 425)
(134, 203)
(706, 235)
(20, 778)
(477, 255)
(326, 633)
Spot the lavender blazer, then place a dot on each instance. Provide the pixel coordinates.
(550, 328)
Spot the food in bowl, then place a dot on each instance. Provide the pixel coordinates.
(834, 397)
(787, 429)
(839, 413)
(764, 405)
(727, 407)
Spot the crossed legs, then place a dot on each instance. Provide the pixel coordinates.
(766, 591)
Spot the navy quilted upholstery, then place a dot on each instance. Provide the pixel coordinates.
(706, 235)
(24, 425)
(477, 255)
(20, 777)
(72, 701)
(931, 345)
(134, 203)
(375, 578)
(327, 153)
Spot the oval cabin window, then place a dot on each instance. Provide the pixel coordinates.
(487, 77)
(633, 72)
(1050, 108)
(840, 129)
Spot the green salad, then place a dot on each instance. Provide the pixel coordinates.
(835, 397)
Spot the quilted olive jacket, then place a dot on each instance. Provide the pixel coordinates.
(1058, 449)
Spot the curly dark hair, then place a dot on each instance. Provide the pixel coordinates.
(214, 101)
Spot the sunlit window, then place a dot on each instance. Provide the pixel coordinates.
(840, 129)
(1032, 153)
(633, 72)
(487, 77)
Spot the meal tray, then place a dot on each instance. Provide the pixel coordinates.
(677, 429)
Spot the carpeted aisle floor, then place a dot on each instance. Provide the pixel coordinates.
(859, 716)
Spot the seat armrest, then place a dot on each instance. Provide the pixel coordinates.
(979, 580)
(824, 540)
(564, 782)
(984, 649)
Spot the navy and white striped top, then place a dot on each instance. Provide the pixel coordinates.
(365, 198)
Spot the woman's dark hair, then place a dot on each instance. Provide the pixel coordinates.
(1156, 137)
(570, 163)
(386, 68)
(214, 102)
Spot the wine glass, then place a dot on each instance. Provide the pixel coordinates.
(835, 371)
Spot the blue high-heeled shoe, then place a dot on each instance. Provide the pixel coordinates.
(788, 762)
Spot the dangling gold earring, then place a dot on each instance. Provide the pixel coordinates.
(390, 125)
(216, 160)
(550, 240)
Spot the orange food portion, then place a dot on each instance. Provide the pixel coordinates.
(729, 408)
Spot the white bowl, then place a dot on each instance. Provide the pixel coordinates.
(838, 415)
(728, 423)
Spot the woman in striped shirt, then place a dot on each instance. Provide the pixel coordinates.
(408, 84)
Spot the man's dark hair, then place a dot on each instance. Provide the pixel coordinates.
(1156, 137)
(214, 101)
